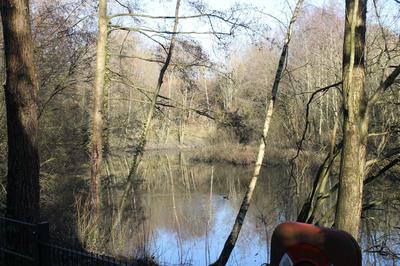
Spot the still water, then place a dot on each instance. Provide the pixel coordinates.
(180, 212)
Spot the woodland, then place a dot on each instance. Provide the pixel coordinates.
(112, 108)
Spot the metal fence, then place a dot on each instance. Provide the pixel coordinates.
(16, 238)
(26, 244)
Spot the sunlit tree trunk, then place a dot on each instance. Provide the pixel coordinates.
(97, 133)
(166, 124)
(128, 118)
(21, 103)
(206, 88)
(233, 236)
(355, 127)
(182, 119)
(356, 109)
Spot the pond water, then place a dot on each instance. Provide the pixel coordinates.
(180, 212)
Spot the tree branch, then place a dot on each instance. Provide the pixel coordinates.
(390, 80)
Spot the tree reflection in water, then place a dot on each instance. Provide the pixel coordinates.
(180, 212)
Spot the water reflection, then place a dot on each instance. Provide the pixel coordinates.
(181, 212)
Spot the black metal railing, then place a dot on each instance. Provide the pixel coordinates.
(16, 238)
(27, 244)
(65, 256)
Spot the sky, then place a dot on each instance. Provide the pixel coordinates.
(277, 8)
(280, 9)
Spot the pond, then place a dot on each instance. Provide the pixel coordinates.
(180, 212)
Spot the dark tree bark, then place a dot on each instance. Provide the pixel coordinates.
(21, 92)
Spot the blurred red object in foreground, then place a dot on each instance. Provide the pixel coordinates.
(301, 244)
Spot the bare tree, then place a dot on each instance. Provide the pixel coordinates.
(158, 36)
(355, 128)
(233, 236)
(356, 113)
(97, 133)
(152, 107)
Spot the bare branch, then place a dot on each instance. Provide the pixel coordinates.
(156, 17)
(390, 80)
(301, 141)
(139, 29)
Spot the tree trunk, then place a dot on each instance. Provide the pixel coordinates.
(21, 102)
(145, 131)
(166, 122)
(206, 88)
(97, 133)
(319, 192)
(355, 128)
(143, 136)
(233, 236)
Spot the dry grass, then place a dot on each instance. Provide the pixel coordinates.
(235, 154)
(238, 154)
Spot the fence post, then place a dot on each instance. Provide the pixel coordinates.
(43, 242)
